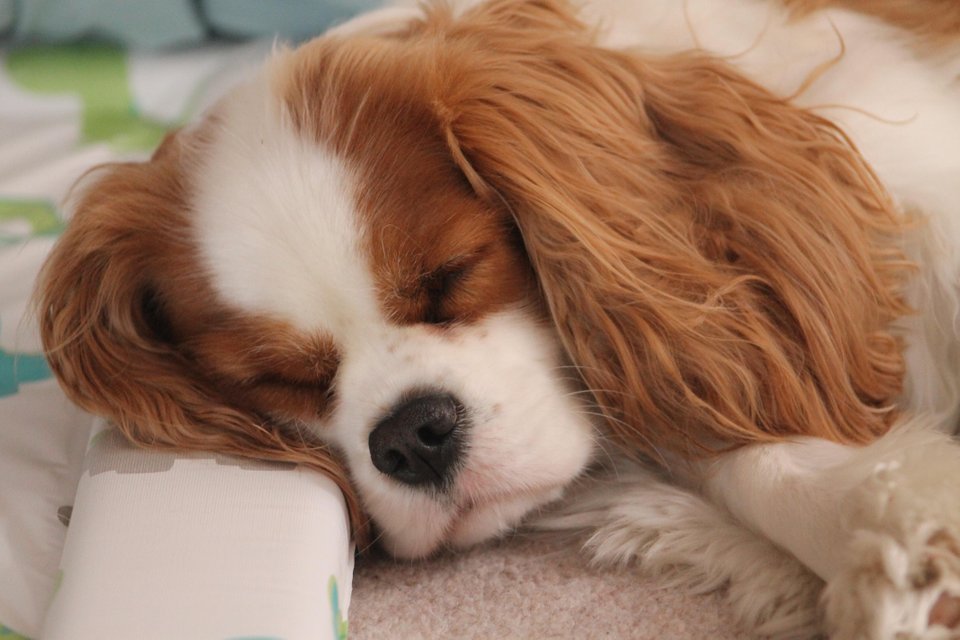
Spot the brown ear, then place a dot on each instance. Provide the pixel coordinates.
(720, 263)
(101, 299)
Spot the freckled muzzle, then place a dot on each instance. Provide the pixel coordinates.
(420, 441)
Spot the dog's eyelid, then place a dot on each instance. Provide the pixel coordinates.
(313, 374)
(286, 380)
(455, 268)
(310, 364)
(440, 283)
(436, 281)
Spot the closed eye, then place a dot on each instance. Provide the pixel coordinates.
(314, 375)
(440, 284)
(441, 281)
(284, 397)
(293, 383)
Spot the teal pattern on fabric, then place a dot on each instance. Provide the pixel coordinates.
(154, 25)
(17, 368)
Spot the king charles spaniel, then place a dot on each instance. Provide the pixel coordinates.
(686, 271)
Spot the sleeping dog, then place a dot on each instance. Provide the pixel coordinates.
(686, 272)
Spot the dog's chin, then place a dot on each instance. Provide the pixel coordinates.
(442, 526)
(483, 522)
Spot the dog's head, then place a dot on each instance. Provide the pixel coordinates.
(410, 254)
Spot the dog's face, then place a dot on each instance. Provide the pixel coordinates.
(413, 338)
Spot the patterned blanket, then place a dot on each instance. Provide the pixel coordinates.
(64, 109)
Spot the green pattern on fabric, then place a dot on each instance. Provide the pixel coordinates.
(10, 634)
(339, 624)
(39, 214)
(59, 582)
(97, 439)
(97, 73)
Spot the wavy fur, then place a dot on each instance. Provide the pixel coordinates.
(720, 264)
(101, 298)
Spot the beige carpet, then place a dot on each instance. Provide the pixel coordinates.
(524, 588)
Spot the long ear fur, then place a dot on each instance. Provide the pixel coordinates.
(100, 306)
(720, 264)
(934, 22)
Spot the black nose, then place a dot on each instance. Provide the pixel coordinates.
(420, 440)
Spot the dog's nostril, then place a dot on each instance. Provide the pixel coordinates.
(435, 433)
(419, 441)
(394, 461)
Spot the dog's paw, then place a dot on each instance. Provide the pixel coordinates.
(901, 579)
(897, 589)
(684, 540)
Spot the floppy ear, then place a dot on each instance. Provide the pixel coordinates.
(719, 263)
(101, 302)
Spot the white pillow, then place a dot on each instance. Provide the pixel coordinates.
(165, 545)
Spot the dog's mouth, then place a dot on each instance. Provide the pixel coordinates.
(479, 521)
(458, 524)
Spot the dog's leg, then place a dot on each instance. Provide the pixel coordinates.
(632, 515)
(881, 524)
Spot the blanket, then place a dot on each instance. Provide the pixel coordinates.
(89, 526)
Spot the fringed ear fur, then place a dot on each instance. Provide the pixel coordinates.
(720, 264)
(101, 302)
(933, 23)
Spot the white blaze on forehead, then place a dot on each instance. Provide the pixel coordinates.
(276, 220)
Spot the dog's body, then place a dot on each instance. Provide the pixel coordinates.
(334, 251)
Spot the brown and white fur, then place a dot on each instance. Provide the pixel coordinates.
(690, 266)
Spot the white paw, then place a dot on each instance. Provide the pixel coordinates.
(681, 538)
(897, 589)
(902, 577)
